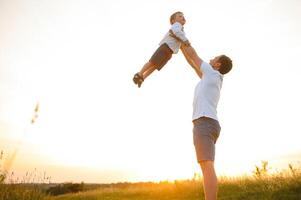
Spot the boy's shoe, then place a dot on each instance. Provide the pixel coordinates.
(140, 83)
(138, 80)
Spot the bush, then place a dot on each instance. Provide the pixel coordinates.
(65, 188)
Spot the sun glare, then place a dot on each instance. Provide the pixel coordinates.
(77, 58)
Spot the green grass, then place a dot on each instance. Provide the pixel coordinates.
(263, 185)
(21, 192)
(273, 187)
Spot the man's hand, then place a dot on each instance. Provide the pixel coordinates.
(185, 43)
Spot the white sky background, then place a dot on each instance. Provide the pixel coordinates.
(77, 58)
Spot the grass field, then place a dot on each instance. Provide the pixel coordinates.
(285, 185)
(276, 187)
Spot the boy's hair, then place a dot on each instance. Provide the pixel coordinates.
(226, 64)
(173, 16)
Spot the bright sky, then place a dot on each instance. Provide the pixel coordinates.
(77, 58)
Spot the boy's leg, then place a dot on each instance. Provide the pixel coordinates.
(140, 76)
(209, 180)
(157, 61)
(147, 69)
(148, 72)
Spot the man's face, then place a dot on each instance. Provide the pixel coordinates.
(180, 18)
(215, 62)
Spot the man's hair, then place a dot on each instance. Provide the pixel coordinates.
(226, 64)
(173, 17)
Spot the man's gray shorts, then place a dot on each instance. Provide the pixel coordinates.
(205, 134)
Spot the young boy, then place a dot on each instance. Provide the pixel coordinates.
(169, 45)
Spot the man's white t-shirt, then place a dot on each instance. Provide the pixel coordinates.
(207, 93)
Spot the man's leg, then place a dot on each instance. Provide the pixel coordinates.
(210, 180)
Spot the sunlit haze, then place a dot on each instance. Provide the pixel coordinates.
(76, 58)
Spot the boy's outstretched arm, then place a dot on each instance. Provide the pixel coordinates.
(183, 42)
(177, 31)
(192, 58)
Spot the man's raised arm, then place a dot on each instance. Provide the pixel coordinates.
(190, 54)
(192, 58)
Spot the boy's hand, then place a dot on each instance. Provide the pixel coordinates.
(171, 34)
(185, 43)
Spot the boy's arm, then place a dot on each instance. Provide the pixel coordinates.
(176, 30)
(193, 59)
(186, 42)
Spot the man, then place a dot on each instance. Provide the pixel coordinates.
(206, 125)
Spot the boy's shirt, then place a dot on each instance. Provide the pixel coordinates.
(174, 44)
